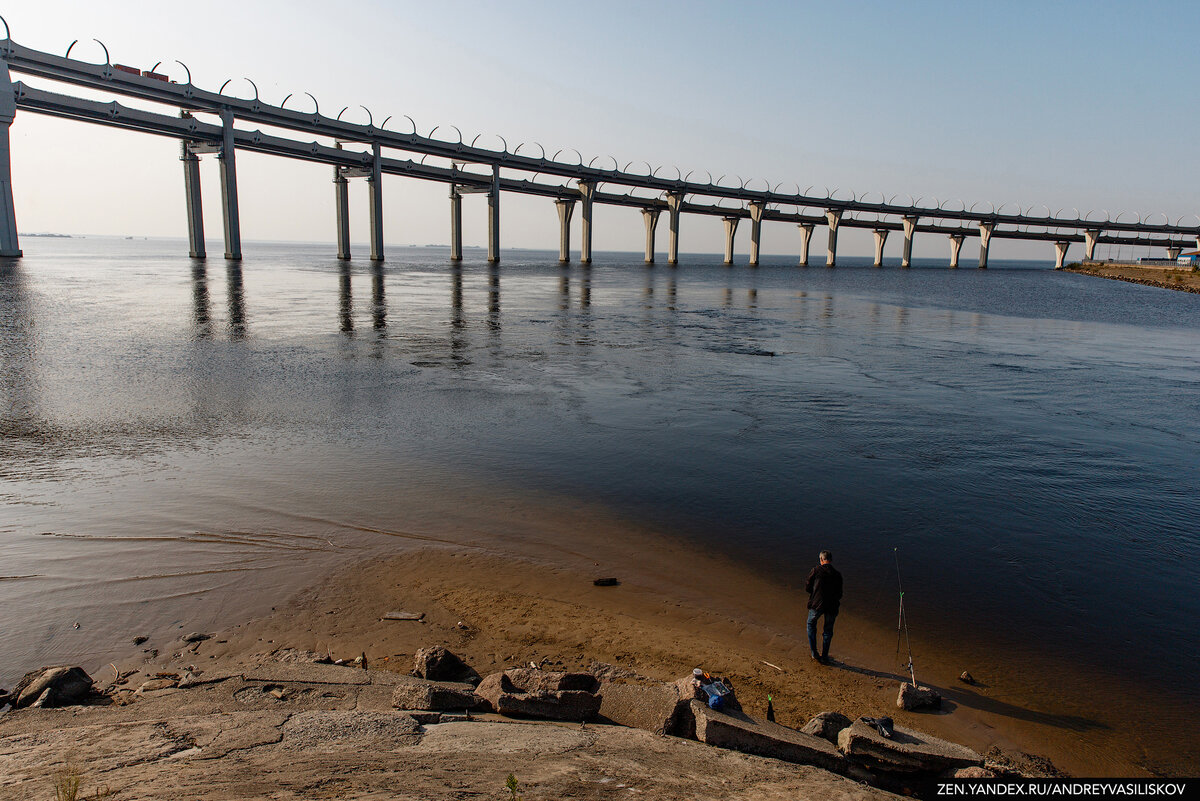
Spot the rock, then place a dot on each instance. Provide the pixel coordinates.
(527, 692)
(907, 751)
(70, 685)
(607, 581)
(139, 640)
(967, 678)
(45, 699)
(305, 673)
(916, 697)
(196, 636)
(738, 731)
(827, 725)
(415, 693)
(655, 708)
(439, 664)
(3, 698)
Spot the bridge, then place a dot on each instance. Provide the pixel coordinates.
(214, 123)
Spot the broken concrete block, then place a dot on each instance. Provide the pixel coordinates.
(738, 731)
(916, 697)
(827, 725)
(907, 752)
(439, 664)
(654, 708)
(415, 693)
(526, 692)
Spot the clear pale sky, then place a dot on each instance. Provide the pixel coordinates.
(1087, 105)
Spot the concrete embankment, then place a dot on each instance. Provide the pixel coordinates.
(1183, 280)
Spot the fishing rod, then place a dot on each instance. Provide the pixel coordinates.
(902, 623)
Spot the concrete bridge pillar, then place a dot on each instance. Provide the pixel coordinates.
(566, 209)
(756, 217)
(1090, 237)
(493, 202)
(455, 223)
(587, 193)
(956, 243)
(191, 191)
(731, 224)
(834, 216)
(910, 228)
(375, 204)
(985, 238)
(674, 207)
(1173, 253)
(1060, 253)
(229, 195)
(10, 245)
(341, 202)
(650, 217)
(806, 231)
(880, 239)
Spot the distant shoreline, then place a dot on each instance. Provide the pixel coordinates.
(1181, 280)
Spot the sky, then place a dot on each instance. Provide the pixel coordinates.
(1064, 105)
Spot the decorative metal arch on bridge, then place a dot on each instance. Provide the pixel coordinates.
(356, 150)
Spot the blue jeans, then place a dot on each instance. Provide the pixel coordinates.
(826, 635)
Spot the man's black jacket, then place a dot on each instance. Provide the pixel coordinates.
(824, 588)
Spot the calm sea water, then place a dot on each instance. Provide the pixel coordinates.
(1026, 439)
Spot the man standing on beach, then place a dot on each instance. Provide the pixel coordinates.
(824, 588)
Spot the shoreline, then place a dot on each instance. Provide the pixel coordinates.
(1184, 280)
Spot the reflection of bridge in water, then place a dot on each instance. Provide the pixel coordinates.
(358, 151)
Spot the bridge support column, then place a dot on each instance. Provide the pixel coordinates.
(1173, 253)
(731, 224)
(587, 192)
(229, 195)
(494, 217)
(1060, 253)
(1090, 237)
(756, 218)
(455, 223)
(10, 244)
(674, 208)
(985, 238)
(341, 203)
(650, 217)
(910, 228)
(806, 231)
(834, 216)
(375, 203)
(566, 209)
(191, 191)
(880, 239)
(956, 243)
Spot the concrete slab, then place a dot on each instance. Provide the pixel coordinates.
(908, 751)
(740, 732)
(654, 708)
(300, 673)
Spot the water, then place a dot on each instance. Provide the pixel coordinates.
(179, 439)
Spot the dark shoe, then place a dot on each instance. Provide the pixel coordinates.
(815, 657)
(824, 660)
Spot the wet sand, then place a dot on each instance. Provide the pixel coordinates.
(675, 609)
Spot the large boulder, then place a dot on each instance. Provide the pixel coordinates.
(439, 664)
(65, 686)
(414, 693)
(653, 707)
(907, 752)
(827, 726)
(532, 693)
(738, 731)
(917, 697)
